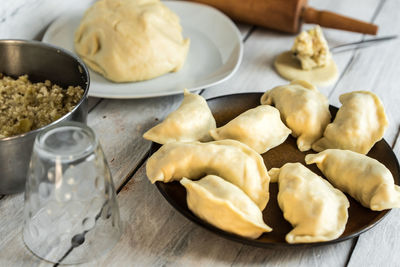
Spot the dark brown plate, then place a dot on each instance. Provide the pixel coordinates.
(361, 219)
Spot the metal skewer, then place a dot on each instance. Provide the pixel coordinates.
(360, 44)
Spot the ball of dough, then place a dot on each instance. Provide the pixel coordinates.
(131, 40)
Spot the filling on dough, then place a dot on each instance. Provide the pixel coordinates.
(131, 40)
(311, 49)
(308, 60)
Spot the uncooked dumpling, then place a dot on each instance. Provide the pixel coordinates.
(229, 159)
(303, 109)
(260, 128)
(309, 60)
(225, 206)
(192, 121)
(131, 40)
(364, 178)
(317, 211)
(358, 125)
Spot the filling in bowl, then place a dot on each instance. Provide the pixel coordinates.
(26, 106)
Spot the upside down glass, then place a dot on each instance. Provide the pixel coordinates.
(71, 212)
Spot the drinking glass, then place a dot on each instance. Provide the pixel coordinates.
(71, 212)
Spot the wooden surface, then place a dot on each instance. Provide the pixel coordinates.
(157, 235)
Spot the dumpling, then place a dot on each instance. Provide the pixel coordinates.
(317, 211)
(192, 121)
(359, 124)
(225, 206)
(260, 128)
(229, 159)
(364, 178)
(303, 109)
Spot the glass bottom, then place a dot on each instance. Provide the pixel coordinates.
(72, 249)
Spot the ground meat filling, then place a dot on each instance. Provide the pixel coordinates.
(25, 106)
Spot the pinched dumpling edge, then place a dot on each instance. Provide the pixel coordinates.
(199, 133)
(304, 140)
(156, 173)
(343, 206)
(248, 223)
(327, 143)
(256, 141)
(375, 202)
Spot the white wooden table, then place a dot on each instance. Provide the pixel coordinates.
(155, 233)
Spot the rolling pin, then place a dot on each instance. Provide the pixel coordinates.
(286, 15)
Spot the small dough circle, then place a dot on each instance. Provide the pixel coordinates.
(290, 69)
(131, 40)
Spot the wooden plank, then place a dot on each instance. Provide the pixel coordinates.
(93, 102)
(120, 124)
(244, 29)
(12, 248)
(330, 255)
(257, 74)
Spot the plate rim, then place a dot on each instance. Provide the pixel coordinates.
(253, 242)
(234, 29)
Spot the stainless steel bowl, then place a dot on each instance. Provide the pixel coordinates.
(41, 62)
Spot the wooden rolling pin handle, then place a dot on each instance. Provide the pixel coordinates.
(336, 21)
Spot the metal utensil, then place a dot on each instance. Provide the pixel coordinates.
(360, 44)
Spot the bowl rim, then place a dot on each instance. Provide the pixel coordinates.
(60, 50)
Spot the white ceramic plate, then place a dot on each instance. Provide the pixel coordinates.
(214, 55)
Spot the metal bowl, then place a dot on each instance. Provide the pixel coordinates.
(41, 62)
